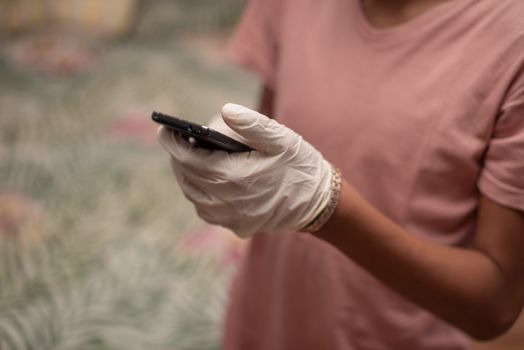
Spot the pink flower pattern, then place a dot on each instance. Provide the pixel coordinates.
(135, 126)
(20, 216)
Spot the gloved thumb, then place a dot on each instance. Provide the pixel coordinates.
(262, 133)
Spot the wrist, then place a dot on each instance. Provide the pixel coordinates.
(329, 208)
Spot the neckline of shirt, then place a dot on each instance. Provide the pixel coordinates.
(405, 30)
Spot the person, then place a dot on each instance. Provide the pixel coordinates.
(420, 104)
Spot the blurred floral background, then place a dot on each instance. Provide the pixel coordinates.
(98, 247)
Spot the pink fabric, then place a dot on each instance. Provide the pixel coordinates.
(420, 117)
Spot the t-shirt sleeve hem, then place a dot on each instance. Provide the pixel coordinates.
(503, 194)
(244, 57)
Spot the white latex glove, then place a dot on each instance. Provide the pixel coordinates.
(285, 184)
(217, 123)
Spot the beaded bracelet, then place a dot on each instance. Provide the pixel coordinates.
(334, 196)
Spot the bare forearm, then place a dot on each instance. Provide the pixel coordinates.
(462, 286)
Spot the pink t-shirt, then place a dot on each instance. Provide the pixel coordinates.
(420, 117)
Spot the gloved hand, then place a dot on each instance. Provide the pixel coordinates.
(285, 184)
(217, 123)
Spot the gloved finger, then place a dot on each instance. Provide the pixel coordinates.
(219, 198)
(238, 174)
(196, 194)
(184, 174)
(229, 205)
(262, 133)
(226, 176)
(166, 138)
(217, 123)
(217, 215)
(205, 203)
(209, 208)
(193, 159)
(177, 146)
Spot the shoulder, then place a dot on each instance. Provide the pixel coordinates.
(497, 27)
(504, 17)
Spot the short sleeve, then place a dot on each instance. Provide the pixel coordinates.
(256, 42)
(502, 176)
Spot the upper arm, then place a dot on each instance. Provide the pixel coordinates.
(500, 236)
(500, 229)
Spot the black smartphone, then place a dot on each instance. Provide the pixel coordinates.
(201, 135)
